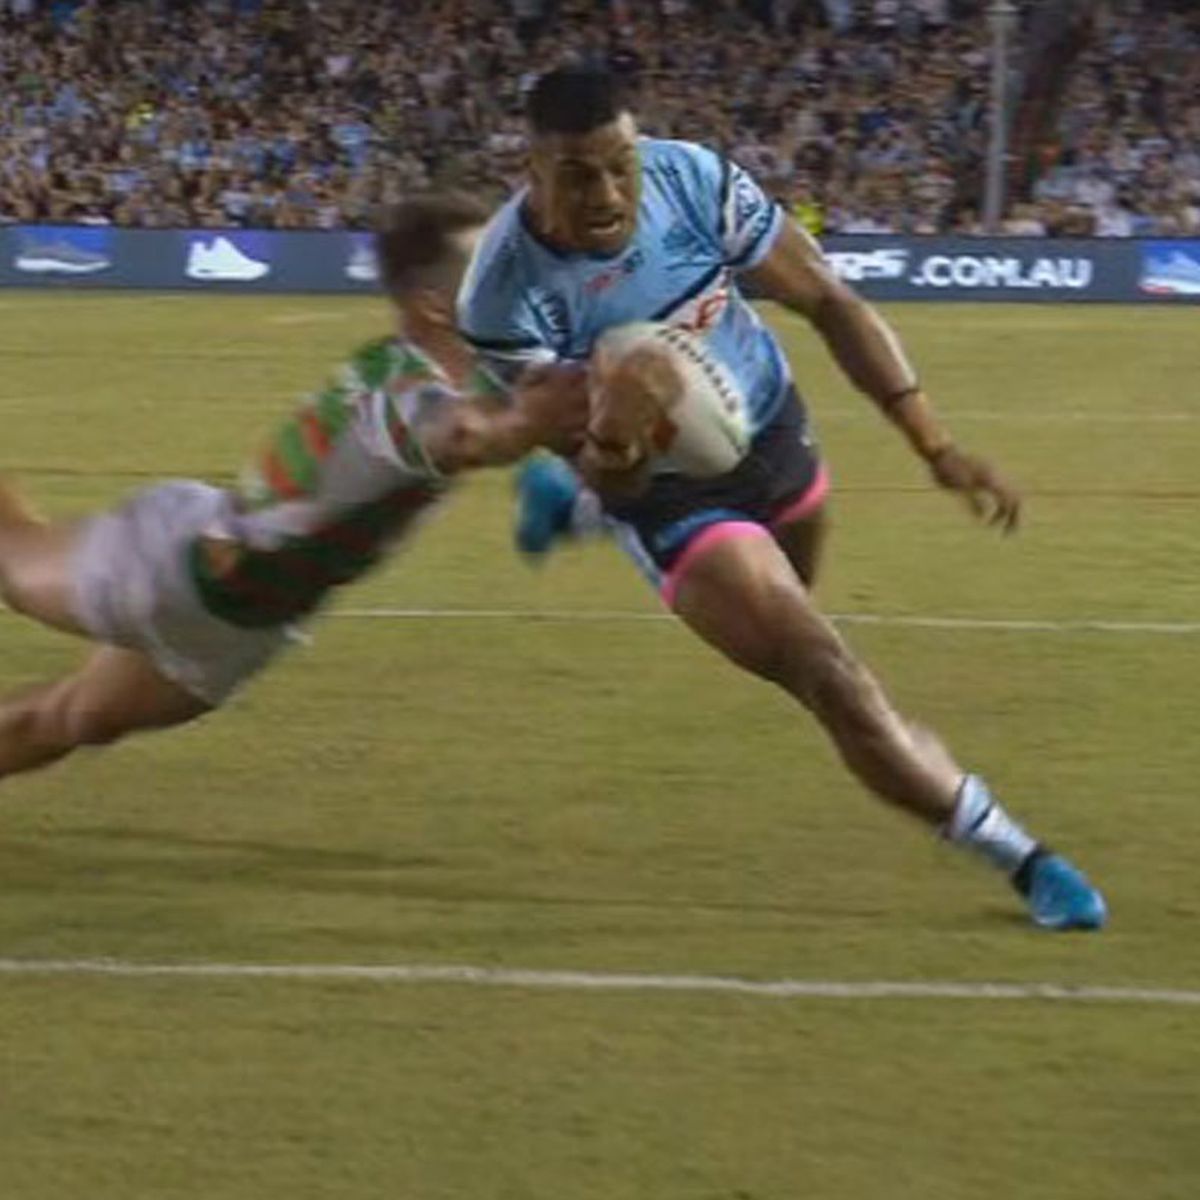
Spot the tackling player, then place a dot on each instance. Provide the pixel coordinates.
(192, 589)
(613, 228)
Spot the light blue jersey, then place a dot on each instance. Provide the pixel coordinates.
(700, 220)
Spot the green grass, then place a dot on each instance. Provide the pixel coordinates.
(608, 796)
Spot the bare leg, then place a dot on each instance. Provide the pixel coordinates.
(743, 597)
(35, 563)
(803, 542)
(115, 693)
(15, 506)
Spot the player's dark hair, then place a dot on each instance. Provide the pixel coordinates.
(417, 238)
(573, 101)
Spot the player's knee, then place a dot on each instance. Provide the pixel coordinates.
(43, 721)
(66, 720)
(11, 592)
(834, 684)
(26, 725)
(86, 725)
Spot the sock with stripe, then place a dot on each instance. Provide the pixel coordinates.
(979, 823)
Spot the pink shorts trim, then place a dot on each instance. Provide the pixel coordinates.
(700, 545)
(808, 503)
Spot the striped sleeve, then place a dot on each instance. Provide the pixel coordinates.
(750, 219)
(740, 218)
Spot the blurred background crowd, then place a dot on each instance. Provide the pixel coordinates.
(861, 115)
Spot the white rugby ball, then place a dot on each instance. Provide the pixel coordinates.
(707, 431)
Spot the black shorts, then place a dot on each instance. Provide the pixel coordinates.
(780, 480)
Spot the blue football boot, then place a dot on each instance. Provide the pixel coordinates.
(546, 493)
(1060, 896)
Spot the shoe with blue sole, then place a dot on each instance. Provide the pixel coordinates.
(546, 493)
(1060, 896)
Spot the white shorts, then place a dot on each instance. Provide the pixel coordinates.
(133, 588)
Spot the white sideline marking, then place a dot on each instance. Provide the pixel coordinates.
(631, 616)
(1002, 624)
(783, 989)
(1005, 416)
(308, 318)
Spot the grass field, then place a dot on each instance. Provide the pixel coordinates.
(596, 793)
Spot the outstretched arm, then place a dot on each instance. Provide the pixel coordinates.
(796, 275)
(548, 408)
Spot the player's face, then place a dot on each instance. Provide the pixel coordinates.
(586, 187)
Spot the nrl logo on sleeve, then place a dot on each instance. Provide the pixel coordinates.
(747, 199)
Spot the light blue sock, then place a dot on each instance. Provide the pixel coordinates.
(979, 822)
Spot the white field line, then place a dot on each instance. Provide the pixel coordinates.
(568, 616)
(1004, 416)
(315, 317)
(584, 616)
(582, 981)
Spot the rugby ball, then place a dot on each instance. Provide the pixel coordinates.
(706, 431)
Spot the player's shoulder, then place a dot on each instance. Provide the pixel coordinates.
(381, 361)
(491, 297)
(683, 164)
(496, 260)
(684, 181)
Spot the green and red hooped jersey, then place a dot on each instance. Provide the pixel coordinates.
(340, 482)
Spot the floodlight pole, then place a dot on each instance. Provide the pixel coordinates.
(1002, 17)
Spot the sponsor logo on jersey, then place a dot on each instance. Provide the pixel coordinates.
(554, 312)
(702, 313)
(614, 274)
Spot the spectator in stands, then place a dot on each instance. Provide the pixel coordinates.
(1127, 158)
(269, 112)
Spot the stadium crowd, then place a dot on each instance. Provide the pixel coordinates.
(1126, 149)
(864, 115)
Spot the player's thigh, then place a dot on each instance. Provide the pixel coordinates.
(741, 594)
(118, 692)
(803, 542)
(37, 572)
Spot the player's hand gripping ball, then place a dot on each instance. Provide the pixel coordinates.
(660, 400)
